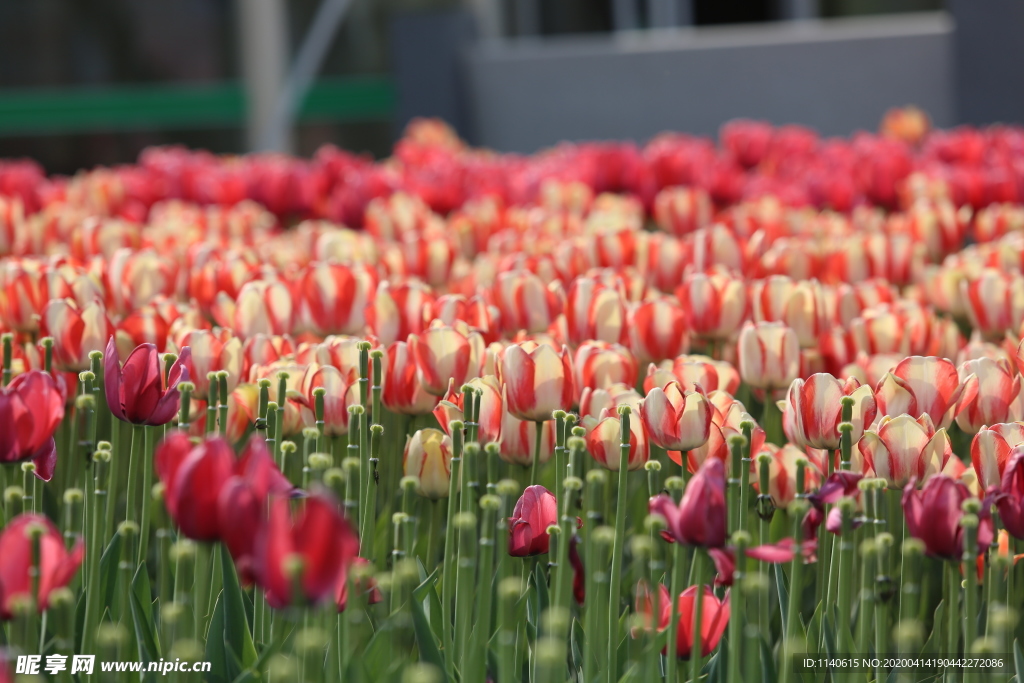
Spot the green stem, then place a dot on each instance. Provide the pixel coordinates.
(147, 488)
(673, 625)
(448, 577)
(621, 504)
(135, 455)
(537, 441)
(466, 580)
(697, 648)
(482, 629)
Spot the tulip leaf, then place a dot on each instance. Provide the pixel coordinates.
(224, 665)
(1018, 660)
(141, 597)
(236, 624)
(814, 630)
(783, 591)
(425, 639)
(109, 569)
(768, 671)
(576, 640)
(933, 644)
(541, 582)
(714, 666)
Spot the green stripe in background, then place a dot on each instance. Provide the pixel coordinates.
(76, 110)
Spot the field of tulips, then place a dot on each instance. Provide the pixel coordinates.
(726, 410)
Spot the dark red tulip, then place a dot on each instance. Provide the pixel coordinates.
(700, 518)
(579, 576)
(370, 589)
(714, 619)
(838, 485)
(137, 392)
(317, 535)
(773, 553)
(1010, 498)
(534, 512)
(212, 495)
(57, 566)
(933, 516)
(31, 409)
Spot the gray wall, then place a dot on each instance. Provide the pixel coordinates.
(834, 75)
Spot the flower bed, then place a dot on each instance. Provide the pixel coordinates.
(735, 411)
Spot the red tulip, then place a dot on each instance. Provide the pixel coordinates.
(538, 380)
(369, 589)
(446, 353)
(813, 410)
(604, 440)
(936, 386)
(773, 553)
(714, 620)
(599, 365)
(700, 517)
(657, 330)
(211, 352)
(994, 301)
(690, 370)
(403, 392)
(519, 437)
(1010, 498)
(491, 408)
(996, 397)
(137, 393)
(782, 472)
(933, 516)
(31, 409)
(262, 307)
(677, 420)
(595, 311)
(76, 331)
(340, 395)
(317, 536)
(990, 451)
(57, 566)
(716, 303)
(333, 297)
(525, 302)
(769, 355)
(900, 449)
(535, 511)
(682, 210)
(399, 310)
(644, 606)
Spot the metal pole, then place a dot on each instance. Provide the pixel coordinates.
(263, 26)
(276, 134)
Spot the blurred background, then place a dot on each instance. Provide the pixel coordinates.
(88, 82)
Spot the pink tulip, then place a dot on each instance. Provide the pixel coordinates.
(604, 439)
(900, 449)
(996, 398)
(813, 410)
(990, 451)
(676, 419)
(936, 386)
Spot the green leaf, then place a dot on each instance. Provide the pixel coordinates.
(577, 640)
(425, 638)
(716, 665)
(768, 669)
(814, 630)
(780, 586)
(377, 656)
(541, 580)
(934, 642)
(141, 597)
(109, 567)
(224, 666)
(236, 632)
(1018, 660)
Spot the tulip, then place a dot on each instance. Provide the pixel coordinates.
(700, 518)
(137, 393)
(933, 516)
(714, 620)
(403, 392)
(339, 397)
(813, 410)
(690, 370)
(594, 402)
(428, 456)
(369, 589)
(476, 312)
(490, 420)
(644, 606)
(341, 352)
(57, 566)
(519, 437)
(716, 303)
(76, 331)
(657, 330)
(782, 472)
(936, 386)
(604, 441)
(990, 451)
(525, 302)
(307, 550)
(538, 380)
(27, 285)
(333, 297)
(773, 553)
(143, 326)
(31, 409)
(996, 397)
(262, 307)
(1010, 498)
(800, 305)
(297, 415)
(595, 312)
(893, 396)
(900, 449)
(682, 210)
(676, 419)
(136, 277)
(889, 329)
(399, 310)
(994, 301)
(444, 353)
(769, 355)
(535, 511)
(264, 349)
(211, 352)
(208, 491)
(599, 365)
